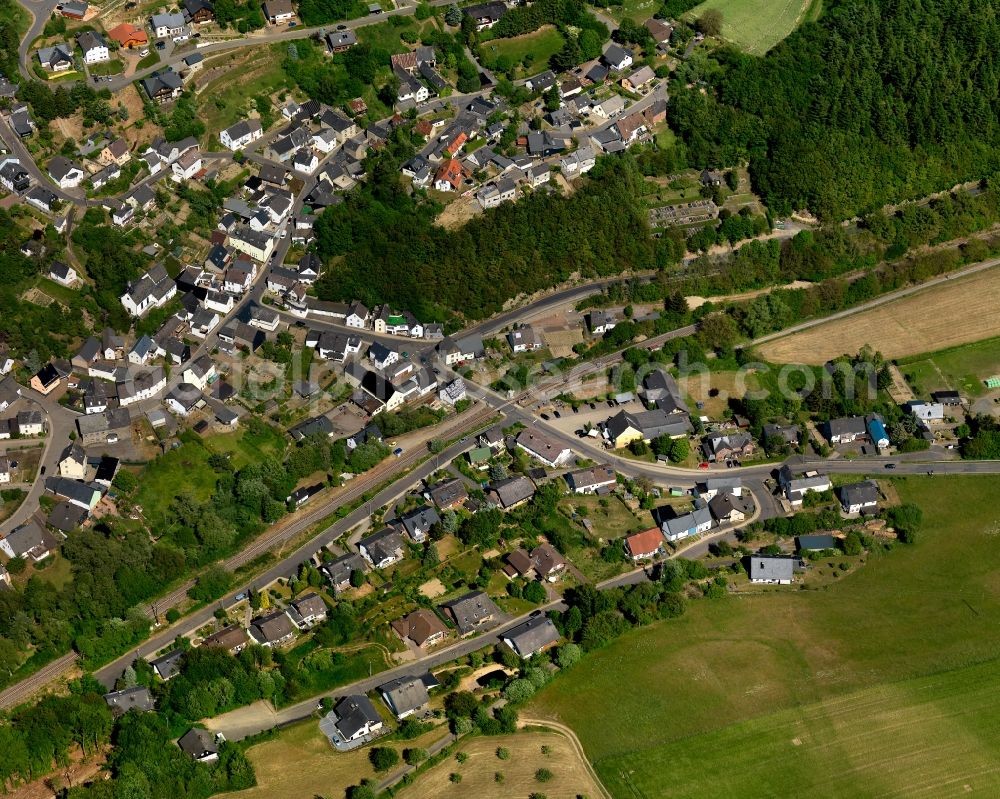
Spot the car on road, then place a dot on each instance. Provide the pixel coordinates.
(545, 416)
(576, 409)
(556, 414)
(341, 27)
(240, 597)
(703, 465)
(42, 470)
(890, 466)
(397, 451)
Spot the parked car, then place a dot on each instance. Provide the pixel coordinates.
(397, 451)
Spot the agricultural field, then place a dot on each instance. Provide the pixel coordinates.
(963, 368)
(865, 682)
(570, 777)
(714, 388)
(758, 25)
(536, 46)
(949, 314)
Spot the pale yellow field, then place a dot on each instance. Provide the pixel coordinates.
(570, 777)
(944, 316)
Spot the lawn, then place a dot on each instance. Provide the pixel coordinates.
(187, 467)
(610, 517)
(963, 368)
(246, 446)
(753, 665)
(112, 67)
(353, 667)
(636, 10)
(536, 46)
(14, 14)
(147, 61)
(757, 25)
(232, 94)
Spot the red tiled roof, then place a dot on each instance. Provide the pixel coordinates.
(644, 543)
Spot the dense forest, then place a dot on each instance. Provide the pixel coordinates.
(398, 255)
(879, 100)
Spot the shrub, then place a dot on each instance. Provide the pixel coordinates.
(172, 615)
(455, 777)
(383, 758)
(414, 756)
(544, 775)
(503, 753)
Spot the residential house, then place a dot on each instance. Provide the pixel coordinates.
(30, 422)
(461, 350)
(162, 87)
(63, 274)
(95, 49)
(199, 745)
(354, 717)
(719, 485)
(660, 391)
(42, 198)
(238, 136)
(644, 545)
(339, 41)
(278, 11)
(447, 494)
(591, 480)
(511, 492)
(531, 637)
(167, 26)
(405, 696)
(137, 697)
(29, 541)
(795, 488)
(724, 446)
(65, 173)
(183, 399)
(600, 322)
(169, 665)
(153, 290)
(73, 462)
(524, 339)
(83, 495)
(422, 627)
(639, 79)
(198, 11)
(544, 448)
(103, 428)
(948, 398)
(675, 528)
(128, 37)
(626, 427)
(57, 58)
(486, 15)
(272, 629)
(733, 508)
(338, 572)
(44, 381)
(453, 392)
(74, 9)
(14, 177)
(450, 175)
(876, 431)
(383, 548)
(859, 497)
(617, 57)
(845, 430)
(201, 372)
(789, 434)
(472, 611)
(188, 165)
(548, 563)
(771, 570)
(418, 522)
(258, 246)
(233, 639)
(307, 610)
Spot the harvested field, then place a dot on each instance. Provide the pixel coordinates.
(560, 342)
(946, 315)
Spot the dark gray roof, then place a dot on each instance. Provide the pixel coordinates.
(273, 627)
(384, 544)
(771, 568)
(137, 697)
(169, 664)
(405, 694)
(532, 636)
(198, 743)
(339, 571)
(513, 490)
(354, 713)
(862, 493)
(30, 539)
(419, 522)
(472, 610)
